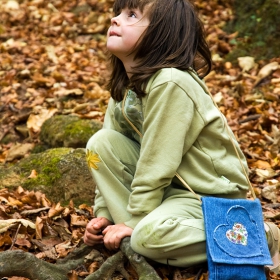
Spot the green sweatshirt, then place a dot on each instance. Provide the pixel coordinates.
(183, 132)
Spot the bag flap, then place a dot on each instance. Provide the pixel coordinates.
(235, 231)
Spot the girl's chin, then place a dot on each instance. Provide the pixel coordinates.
(114, 52)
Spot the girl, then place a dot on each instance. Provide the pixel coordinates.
(163, 143)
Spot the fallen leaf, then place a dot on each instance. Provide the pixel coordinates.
(33, 174)
(35, 121)
(39, 227)
(6, 224)
(5, 239)
(266, 71)
(63, 249)
(18, 151)
(51, 54)
(55, 210)
(77, 220)
(269, 192)
(65, 92)
(246, 63)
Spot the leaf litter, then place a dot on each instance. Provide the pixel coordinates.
(53, 61)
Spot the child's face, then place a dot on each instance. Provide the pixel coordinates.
(125, 31)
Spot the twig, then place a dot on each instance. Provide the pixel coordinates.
(34, 211)
(15, 237)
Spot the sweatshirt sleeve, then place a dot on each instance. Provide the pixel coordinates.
(168, 115)
(100, 208)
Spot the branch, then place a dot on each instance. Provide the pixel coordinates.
(144, 270)
(107, 268)
(115, 262)
(24, 264)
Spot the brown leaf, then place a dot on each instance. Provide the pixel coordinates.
(33, 174)
(18, 151)
(77, 220)
(39, 227)
(23, 242)
(30, 198)
(15, 202)
(55, 210)
(72, 275)
(63, 249)
(5, 239)
(266, 71)
(35, 121)
(94, 267)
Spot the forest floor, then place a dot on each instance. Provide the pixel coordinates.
(53, 61)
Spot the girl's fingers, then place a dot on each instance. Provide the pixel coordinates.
(114, 234)
(92, 239)
(93, 233)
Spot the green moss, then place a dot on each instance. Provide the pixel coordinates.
(78, 128)
(45, 166)
(9, 138)
(258, 26)
(39, 148)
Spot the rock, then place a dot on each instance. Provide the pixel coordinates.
(68, 131)
(62, 174)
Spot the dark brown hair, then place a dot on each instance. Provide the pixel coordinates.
(174, 38)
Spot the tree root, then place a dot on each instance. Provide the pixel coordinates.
(144, 270)
(24, 264)
(108, 267)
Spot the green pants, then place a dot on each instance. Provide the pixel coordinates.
(173, 233)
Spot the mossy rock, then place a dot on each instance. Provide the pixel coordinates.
(68, 131)
(258, 26)
(62, 174)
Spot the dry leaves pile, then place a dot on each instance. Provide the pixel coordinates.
(52, 61)
(30, 222)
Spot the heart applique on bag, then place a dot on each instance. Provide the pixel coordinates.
(239, 237)
(238, 234)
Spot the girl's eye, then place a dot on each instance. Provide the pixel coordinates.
(132, 14)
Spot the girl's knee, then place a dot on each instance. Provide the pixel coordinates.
(167, 234)
(138, 242)
(145, 237)
(100, 139)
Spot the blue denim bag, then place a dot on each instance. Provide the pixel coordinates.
(235, 239)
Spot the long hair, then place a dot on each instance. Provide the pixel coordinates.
(174, 38)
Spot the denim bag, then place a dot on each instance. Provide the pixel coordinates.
(235, 239)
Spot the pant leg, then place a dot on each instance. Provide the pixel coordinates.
(118, 157)
(174, 232)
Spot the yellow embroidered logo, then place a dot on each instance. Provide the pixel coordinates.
(92, 159)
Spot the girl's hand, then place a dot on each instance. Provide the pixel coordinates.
(93, 234)
(114, 234)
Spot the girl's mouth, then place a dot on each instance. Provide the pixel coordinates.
(113, 33)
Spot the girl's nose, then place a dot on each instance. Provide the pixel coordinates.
(115, 20)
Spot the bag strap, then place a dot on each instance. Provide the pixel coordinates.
(227, 128)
